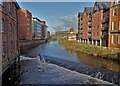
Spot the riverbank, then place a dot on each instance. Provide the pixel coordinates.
(93, 50)
(48, 73)
(30, 44)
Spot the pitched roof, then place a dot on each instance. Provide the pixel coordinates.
(79, 14)
(89, 9)
(103, 5)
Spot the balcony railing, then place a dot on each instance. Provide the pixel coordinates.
(89, 24)
(89, 37)
(104, 36)
(89, 31)
(104, 28)
(105, 20)
(89, 19)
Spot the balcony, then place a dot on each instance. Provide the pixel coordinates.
(89, 25)
(80, 28)
(104, 36)
(105, 20)
(89, 37)
(89, 31)
(89, 19)
(104, 28)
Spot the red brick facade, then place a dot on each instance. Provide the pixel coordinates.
(44, 29)
(114, 27)
(25, 25)
(85, 26)
(9, 29)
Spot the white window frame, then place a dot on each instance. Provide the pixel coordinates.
(113, 25)
(119, 25)
(114, 12)
(112, 39)
(118, 38)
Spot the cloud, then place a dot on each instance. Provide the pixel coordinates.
(65, 23)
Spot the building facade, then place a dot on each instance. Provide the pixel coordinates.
(114, 24)
(37, 31)
(80, 19)
(97, 17)
(44, 30)
(86, 26)
(25, 25)
(105, 27)
(9, 32)
(72, 35)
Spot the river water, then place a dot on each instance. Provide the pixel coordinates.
(90, 64)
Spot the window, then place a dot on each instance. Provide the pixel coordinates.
(113, 25)
(113, 39)
(3, 50)
(15, 29)
(119, 25)
(119, 39)
(9, 6)
(2, 26)
(11, 46)
(97, 33)
(114, 12)
(28, 29)
(10, 28)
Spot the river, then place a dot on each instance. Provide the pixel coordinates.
(89, 65)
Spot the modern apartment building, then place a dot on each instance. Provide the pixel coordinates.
(37, 31)
(9, 32)
(80, 18)
(86, 26)
(44, 30)
(105, 27)
(114, 24)
(25, 25)
(97, 17)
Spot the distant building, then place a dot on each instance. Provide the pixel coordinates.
(72, 35)
(44, 30)
(37, 31)
(25, 25)
(48, 34)
(114, 24)
(8, 32)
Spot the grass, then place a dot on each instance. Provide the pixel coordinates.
(94, 50)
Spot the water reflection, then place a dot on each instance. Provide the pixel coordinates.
(97, 61)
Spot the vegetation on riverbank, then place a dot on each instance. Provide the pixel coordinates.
(96, 51)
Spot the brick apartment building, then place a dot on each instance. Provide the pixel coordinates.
(80, 19)
(44, 29)
(25, 25)
(36, 24)
(86, 26)
(97, 17)
(105, 27)
(9, 32)
(114, 27)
